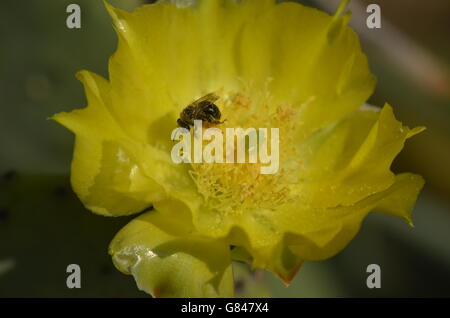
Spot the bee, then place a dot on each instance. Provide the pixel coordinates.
(201, 109)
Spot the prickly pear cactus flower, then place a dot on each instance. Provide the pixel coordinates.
(271, 64)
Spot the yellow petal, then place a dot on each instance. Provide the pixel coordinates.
(167, 261)
(104, 173)
(350, 160)
(332, 229)
(401, 202)
(311, 60)
(155, 71)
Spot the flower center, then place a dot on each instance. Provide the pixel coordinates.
(236, 187)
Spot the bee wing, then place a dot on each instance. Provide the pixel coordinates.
(211, 97)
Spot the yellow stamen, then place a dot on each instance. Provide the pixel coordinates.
(236, 187)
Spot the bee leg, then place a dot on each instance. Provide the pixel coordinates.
(216, 122)
(183, 124)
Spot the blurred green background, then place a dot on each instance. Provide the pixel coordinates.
(44, 227)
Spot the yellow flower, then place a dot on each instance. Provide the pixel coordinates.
(273, 65)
